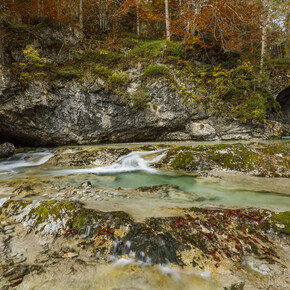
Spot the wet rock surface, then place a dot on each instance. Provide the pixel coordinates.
(271, 160)
(6, 150)
(246, 245)
(82, 156)
(71, 232)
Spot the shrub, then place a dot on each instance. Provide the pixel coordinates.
(243, 88)
(119, 79)
(25, 76)
(175, 49)
(140, 99)
(116, 82)
(252, 108)
(33, 56)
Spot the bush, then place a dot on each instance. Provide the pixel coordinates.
(140, 99)
(33, 56)
(243, 89)
(156, 70)
(175, 49)
(252, 108)
(117, 81)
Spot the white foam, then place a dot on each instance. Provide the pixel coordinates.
(132, 162)
(124, 262)
(166, 270)
(22, 160)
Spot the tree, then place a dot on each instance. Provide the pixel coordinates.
(138, 17)
(167, 21)
(1, 46)
(81, 15)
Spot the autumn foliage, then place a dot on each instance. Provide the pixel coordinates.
(227, 24)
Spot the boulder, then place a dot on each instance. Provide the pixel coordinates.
(6, 150)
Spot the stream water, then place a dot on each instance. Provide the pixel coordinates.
(135, 170)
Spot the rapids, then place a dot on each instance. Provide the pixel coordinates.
(136, 169)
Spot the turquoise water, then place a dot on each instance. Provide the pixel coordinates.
(133, 171)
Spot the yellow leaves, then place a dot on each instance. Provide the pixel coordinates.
(33, 55)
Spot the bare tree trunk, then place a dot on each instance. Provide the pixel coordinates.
(138, 17)
(167, 21)
(58, 8)
(1, 48)
(287, 48)
(263, 45)
(40, 7)
(66, 8)
(81, 15)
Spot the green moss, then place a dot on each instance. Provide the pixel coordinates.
(82, 219)
(283, 218)
(107, 57)
(50, 209)
(234, 157)
(155, 71)
(102, 71)
(68, 73)
(151, 49)
(118, 79)
(251, 158)
(182, 160)
(278, 148)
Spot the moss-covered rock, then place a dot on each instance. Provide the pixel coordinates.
(255, 158)
(282, 221)
(201, 238)
(86, 156)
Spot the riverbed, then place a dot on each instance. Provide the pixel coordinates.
(129, 179)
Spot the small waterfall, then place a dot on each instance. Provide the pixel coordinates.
(22, 160)
(134, 161)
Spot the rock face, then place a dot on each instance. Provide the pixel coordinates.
(70, 112)
(6, 150)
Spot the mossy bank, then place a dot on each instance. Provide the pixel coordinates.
(260, 159)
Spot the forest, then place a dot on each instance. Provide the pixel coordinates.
(258, 29)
